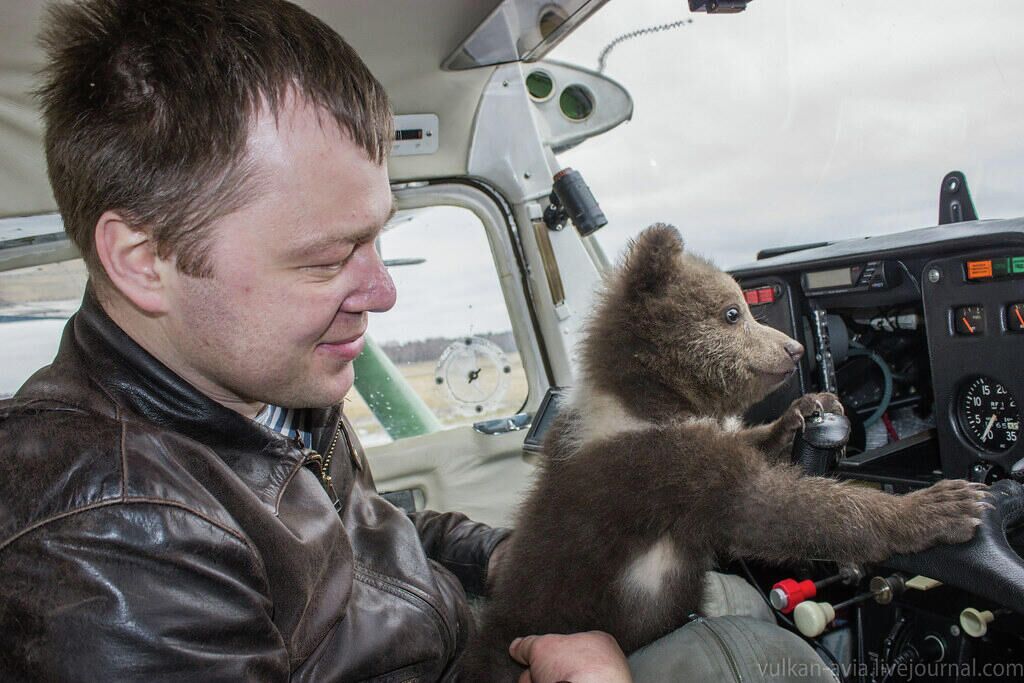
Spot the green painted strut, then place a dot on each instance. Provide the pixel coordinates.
(396, 406)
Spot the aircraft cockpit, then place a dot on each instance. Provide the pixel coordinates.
(845, 164)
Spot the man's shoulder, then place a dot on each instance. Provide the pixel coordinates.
(59, 459)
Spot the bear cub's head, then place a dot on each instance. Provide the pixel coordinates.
(674, 329)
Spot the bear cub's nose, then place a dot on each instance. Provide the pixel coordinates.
(795, 350)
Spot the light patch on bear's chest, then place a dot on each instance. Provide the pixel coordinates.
(646, 575)
(730, 424)
(733, 423)
(599, 416)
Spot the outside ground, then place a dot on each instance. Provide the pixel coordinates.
(420, 377)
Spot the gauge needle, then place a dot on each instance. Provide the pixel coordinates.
(474, 374)
(988, 429)
(969, 328)
(1016, 310)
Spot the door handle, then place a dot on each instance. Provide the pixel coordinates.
(504, 425)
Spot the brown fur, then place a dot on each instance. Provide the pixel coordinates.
(647, 479)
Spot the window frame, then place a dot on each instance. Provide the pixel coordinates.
(504, 252)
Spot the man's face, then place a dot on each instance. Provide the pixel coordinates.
(294, 273)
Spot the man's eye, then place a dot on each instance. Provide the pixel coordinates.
(332, 266)
(732, 315)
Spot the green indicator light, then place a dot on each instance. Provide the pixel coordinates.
(1017, 264)
(576, 103)
(539, 84)
(1001, 266)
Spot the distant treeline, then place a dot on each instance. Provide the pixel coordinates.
(431, 349)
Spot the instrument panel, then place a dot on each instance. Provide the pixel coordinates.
(958, 290)
(971, 302)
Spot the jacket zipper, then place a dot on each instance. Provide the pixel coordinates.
(323, 463)
(725, 650)
(325, 467)
(325, 482)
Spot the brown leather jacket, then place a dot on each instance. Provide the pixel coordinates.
(149, 533)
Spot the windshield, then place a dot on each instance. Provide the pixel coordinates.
(803, 121)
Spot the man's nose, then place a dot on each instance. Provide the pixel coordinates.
(376, 291)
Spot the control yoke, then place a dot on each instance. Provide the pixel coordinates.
(987, 565)
(819, 447)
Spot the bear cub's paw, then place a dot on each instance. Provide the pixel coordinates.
(806, 406)
(948, 511)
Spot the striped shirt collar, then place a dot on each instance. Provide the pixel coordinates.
(291, 422)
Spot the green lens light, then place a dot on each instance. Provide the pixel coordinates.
(540, 85)
(576, 103)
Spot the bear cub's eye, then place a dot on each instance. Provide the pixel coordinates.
(732, 315)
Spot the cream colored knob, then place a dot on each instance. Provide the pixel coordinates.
(975, 623)
(812, 617)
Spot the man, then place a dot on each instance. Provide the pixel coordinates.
(221, 165)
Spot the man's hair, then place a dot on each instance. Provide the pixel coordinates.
(148, 105)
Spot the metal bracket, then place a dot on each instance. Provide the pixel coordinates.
(955, 204)
(718, 6)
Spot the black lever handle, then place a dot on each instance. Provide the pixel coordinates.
(818, 448)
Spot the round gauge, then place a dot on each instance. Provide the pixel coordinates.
(969, 320)
(988, 414)
(473, 374)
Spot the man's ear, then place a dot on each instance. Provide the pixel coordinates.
(129, 257)
(653, 260)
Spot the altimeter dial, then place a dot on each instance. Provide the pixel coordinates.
(988, 415)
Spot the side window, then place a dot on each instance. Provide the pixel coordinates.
(35, 304)
(445, 355)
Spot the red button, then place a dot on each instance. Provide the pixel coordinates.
(765, 295)
(750, 295)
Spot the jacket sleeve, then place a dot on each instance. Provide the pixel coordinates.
(461, 545)
(136, 591)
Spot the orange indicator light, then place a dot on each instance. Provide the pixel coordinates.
(979, 269)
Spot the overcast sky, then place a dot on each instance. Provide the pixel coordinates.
(795, 121)
(804, 120)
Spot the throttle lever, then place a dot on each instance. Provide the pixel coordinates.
(819, 447)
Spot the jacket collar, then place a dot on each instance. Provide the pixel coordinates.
(138, 382)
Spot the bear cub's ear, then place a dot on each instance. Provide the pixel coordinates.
(653, 259)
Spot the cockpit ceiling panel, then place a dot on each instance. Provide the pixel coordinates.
(404, 43)
(520, 30)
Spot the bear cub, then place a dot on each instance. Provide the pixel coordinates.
(649, 474)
